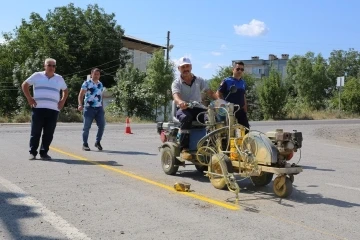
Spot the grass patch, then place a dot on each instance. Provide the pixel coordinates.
(74, 116)
(3, 120)
(110, 118)
(70, 115)
(21, 118)
(320, 115)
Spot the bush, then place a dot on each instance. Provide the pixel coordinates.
(113, 114)
(3, 120)
(70, 115)
(22, 118)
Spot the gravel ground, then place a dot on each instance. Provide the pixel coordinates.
(342, 135)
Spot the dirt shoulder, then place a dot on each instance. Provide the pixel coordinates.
(347, 135)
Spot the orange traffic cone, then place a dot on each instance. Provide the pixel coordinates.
(128, 129)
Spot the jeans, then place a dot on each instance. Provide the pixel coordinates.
(42, 120)
(186, 117)
(89, 115)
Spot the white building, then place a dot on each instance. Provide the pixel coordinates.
(141, 52)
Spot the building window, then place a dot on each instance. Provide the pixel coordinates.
(256, 70)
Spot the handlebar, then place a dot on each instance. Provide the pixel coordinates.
(224, 105)
(193, 104)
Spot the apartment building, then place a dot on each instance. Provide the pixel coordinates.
(261, 67)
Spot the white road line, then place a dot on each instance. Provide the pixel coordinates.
(56, 221)
(341, 186)
(333, 145)
(339, 146)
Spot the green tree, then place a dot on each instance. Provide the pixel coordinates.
(316, 94)
(222, 73)
(342, 62)
(74, 83)
(273, 95)
(350, 96)
(160, 75)
(130, 95)
(79, 39)
(23, 71)
(307, 81)
(8, 92)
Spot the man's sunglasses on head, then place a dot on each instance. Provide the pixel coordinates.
(240, 69)
(49, 65)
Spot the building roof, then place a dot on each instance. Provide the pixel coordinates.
(137, 40)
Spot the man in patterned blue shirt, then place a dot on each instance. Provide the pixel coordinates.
(91, 103)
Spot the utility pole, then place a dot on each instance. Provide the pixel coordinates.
(168, 46)
(167, 65)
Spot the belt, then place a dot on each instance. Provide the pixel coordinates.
(92, 107)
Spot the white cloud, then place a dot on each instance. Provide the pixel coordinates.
(207, 65)
(216, 53)
(253, 29)
(2, 40)
(223, 47)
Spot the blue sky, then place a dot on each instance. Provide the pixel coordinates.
(213, 33)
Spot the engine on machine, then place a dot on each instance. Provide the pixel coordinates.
(286, 142)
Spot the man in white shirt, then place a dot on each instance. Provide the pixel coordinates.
(46, 104)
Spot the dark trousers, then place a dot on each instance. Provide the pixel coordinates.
(241, 117)
(186, 117)
(42, 120)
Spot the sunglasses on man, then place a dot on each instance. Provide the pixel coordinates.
(240, 69)
(49, 65)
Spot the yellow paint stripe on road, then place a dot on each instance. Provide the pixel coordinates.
(197, 196)
(189, 194)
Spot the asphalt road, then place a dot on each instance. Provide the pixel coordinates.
(122, 192)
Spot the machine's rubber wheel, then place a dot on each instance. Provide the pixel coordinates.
(217, 181)
(168, 161)
(201, 168)
(264, 179)
(285, 190)
(291, 177)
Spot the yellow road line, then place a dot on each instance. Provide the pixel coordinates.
(189, 194)
(196, 196)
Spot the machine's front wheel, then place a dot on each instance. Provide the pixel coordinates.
(262, 180)
(291, 177)
(219, 182)
(282, 186)
(168, 161)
